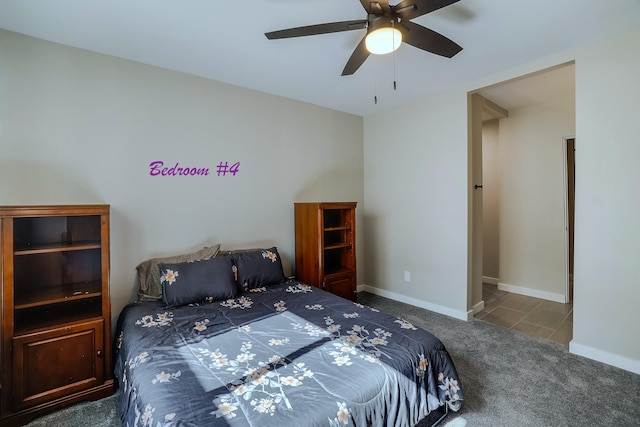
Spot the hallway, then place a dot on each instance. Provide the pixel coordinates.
(532, 316)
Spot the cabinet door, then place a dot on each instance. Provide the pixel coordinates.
(57, 362)
(341, 284)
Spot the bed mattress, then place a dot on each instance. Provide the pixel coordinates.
(282, 355)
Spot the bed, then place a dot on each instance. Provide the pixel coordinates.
(253, 348)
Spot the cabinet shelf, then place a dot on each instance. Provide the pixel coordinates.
(336, 271)
(338, 246)
(57, 247)
(344, 227)
(56, 294)
(34, 324)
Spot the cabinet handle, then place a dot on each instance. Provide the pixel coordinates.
(99, 354)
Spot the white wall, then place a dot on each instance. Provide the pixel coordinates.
(79, 127)
(532, 199)
(491, 184)
(607, 209)
(416, 203)
(416, 186)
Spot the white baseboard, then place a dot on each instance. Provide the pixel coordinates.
(462, 315)
(477, 308)
(490, 280)
(532, 292)
(621, 362)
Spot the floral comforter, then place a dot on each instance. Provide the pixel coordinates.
(285, 355)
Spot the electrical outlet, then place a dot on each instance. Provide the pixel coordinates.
(407, 276)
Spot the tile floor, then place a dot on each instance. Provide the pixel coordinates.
(532, 316)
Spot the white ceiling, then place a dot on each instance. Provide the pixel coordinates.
(225, 41)
(534, 89)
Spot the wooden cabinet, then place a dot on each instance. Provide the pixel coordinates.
(325, 246)
(55, 335)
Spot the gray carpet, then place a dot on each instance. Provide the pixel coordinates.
(508, 379)
(101, 413)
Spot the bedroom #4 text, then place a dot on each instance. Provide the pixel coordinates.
(158, 168)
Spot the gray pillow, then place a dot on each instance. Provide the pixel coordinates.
(256, 268)
(149, 272)
(207, 280)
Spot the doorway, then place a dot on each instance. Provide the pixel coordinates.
(535, 267)
(532, 254)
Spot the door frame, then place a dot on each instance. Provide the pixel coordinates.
(567, 235)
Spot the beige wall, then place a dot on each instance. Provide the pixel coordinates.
(491, 181)
(532, 199)
(416, 184)
(607, 230)
(79, 127)
(416, 203)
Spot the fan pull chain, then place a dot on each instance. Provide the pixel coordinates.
(375, 81)
(394, 71)
(393, 25)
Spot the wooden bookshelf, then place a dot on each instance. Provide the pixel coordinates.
(325, 246)
(55, 341)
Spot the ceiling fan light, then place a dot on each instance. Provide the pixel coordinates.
(383, 40)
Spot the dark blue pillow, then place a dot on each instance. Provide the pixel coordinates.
(260, 267)
(197, 281)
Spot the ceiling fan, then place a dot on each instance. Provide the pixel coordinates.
(391, 24)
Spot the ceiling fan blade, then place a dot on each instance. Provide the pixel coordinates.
(359, 55)
(409, 9)
(426, 39)
(376, 7)
(310, 30)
